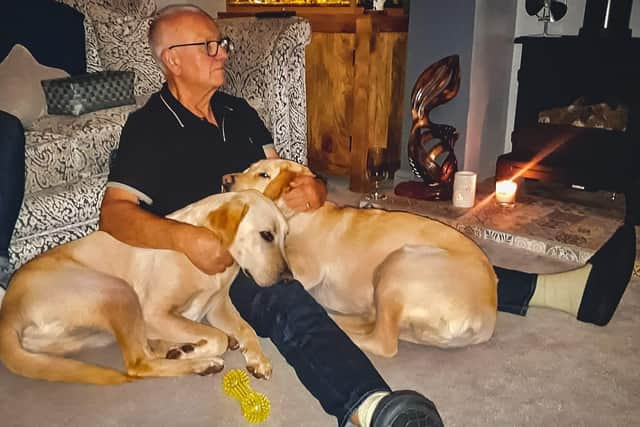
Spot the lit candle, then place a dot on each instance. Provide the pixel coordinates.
(506, 192)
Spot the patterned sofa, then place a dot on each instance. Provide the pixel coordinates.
(67, 157)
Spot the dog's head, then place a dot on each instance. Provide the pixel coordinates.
(252, 229)
(271, 177)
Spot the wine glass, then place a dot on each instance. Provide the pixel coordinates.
(377, 171)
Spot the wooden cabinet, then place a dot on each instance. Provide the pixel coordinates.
(355, 69)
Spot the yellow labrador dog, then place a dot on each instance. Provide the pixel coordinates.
(84, 293)
(384, 275)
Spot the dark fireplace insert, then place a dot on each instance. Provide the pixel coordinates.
(598, 71)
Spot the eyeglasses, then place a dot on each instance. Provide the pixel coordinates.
(211, 46)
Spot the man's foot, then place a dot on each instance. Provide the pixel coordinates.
(609, 276)
(405, 408)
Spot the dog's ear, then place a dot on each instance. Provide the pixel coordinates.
(280, 183)
(225, 220)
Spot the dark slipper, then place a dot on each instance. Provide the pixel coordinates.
(611, 270)
(405, 408)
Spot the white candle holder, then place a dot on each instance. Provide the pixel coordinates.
(506, 193)
(464, 189)
(378, 5)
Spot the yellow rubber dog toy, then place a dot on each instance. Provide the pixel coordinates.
(255, 406)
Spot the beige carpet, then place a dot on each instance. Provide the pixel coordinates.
(543, 370)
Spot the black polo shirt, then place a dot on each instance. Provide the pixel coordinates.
(168, 157)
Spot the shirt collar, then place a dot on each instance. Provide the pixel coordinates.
(183, 116)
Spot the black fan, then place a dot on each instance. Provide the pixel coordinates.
(547, 11)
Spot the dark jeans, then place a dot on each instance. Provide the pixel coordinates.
(515, 289)
(11, 176)
(327, 362)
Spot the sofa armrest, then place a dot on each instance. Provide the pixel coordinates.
(268, 70)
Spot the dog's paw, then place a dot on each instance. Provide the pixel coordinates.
(206, 367)
(259, 366)
(184, 351)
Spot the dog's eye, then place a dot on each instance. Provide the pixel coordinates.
(264, 175)
(267, 235)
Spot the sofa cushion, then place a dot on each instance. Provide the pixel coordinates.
(47, 156)
(91, 47)
(122, 45)
(60, 149)
(133, 7)
(20, 91)
(57, 207)
(267, 69)
(127, 7)
(26, 248)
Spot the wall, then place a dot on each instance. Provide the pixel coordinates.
(437, 29)
(491, 68)
(210, 6)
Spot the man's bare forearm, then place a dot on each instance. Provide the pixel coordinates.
(129, 223)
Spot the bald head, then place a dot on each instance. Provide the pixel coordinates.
(168, 26)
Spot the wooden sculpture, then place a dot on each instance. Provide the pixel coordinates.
(431, 154)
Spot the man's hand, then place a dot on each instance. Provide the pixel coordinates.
(307, 193)
(205, 251)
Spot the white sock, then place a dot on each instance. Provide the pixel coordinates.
(368, 406)
(562, 291)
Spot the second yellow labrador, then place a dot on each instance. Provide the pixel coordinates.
(84, 293)
(383, 275)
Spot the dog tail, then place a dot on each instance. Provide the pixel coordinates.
(49, 367)
(356, 324)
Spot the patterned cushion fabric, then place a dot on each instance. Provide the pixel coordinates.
(267, 69)
(25, 248)
(61, 149)
(91, 47)
(131, 7)
(52, 217)
(74, 202)
(122, 45)
(128, 7)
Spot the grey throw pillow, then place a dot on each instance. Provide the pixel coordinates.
(20, 91)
